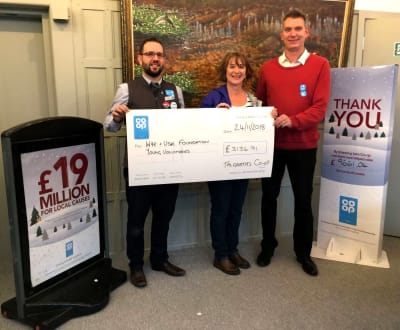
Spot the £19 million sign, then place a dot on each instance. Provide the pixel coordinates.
(77, 193)
(62, 208)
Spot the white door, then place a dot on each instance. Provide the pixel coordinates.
(23, 89)
(381, 32)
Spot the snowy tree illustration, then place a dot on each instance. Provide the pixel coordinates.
(88, 218)
(354, 137)
(94, 200)
(69, 226)
(345, 132)
(331, 130)
(80, 220)
(368, 136)
(337, 136)
(55, 229)
(45, 236)
(35, 217)
(91, 204)
(376, 135)
(94, 214)
(39, 231)
(63, 225)
(383, 135)
(361, 135)
(332, 118)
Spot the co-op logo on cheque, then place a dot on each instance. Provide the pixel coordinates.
(141, 127)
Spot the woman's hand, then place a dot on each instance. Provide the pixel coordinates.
(223, 105)
(274, 113)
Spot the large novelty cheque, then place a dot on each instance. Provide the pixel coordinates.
(194, 145)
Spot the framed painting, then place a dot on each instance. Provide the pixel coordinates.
(197, 34)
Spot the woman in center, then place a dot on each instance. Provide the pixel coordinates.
(227, 197)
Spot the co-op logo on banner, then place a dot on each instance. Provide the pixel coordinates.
(348, 210)
(69, 249)
(141, 127)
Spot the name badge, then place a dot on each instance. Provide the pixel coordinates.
(169, 95)
(303, 90)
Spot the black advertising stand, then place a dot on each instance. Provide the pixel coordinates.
(81, 282)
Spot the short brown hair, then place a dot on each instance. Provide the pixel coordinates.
(237, 56)
(294, 13)
(152, 39)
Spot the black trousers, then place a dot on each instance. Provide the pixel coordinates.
(300, 165)
(161, 199)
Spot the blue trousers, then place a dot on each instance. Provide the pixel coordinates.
(227, 198)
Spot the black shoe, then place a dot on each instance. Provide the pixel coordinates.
(169, 269)
(308, 265)
(239, 261)
(138, 278)
(227, 266)
(264, 258)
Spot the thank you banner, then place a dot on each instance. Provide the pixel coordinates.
(357, 141)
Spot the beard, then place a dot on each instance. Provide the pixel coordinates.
(146, 68)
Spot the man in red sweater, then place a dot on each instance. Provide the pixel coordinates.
(297, 83)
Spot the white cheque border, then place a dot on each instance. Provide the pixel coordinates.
(199, 144)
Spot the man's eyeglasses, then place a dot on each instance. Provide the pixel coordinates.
(152, 54)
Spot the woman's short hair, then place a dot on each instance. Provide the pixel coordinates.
(238, 57)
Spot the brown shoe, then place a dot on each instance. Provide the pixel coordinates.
(239, 261)
(169, 269)
(226, 266)
(138, 278)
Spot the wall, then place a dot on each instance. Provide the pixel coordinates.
(85, 39)
(85, 44)
(374, 5)
(84, 62)
(63, 56)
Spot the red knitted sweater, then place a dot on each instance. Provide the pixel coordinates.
(302, 93)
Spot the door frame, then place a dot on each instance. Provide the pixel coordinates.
(41, 13)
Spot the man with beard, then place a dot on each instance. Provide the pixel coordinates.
(149, 91)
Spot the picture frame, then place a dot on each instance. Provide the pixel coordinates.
(197, 34)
